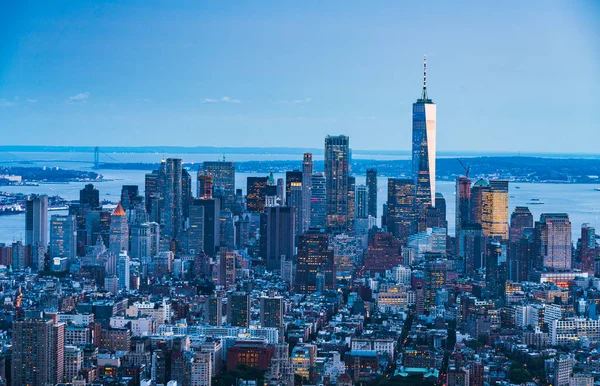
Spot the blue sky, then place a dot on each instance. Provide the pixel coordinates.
(507, 76)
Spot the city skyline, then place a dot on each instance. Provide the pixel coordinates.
(512, 84)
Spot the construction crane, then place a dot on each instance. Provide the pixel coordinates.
(467, 168)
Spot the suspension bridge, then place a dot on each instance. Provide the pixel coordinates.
(61, 157)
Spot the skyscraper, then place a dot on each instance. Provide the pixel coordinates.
(472, 247)
(196, 227)
(291, 176)
(587, 248)
(463, 204)
(553, 241)
(495, 210)
(90, 197)
(223, 174)
(119, 231)
(36, 221)
(307, 172)
(318, 202)
(362, 199)
(423, 153)
(315, 257)
(63, 237)
(129, 196)
(204, 188)
(400, 217)
(277, 235)
(295, 201)
(227, 267)
(172, 209)
(351, 203)
(337, 163)
(256, 188)
(372, 192)
(519, 250)
(123, 266)
(211, 222)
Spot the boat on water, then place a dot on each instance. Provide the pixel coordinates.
(597, 189)
(517, 187)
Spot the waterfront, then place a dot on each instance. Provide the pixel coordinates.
(581, 202)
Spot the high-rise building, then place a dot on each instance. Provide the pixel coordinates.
(271, 311)
(587, 248)
(211, 223)
(215, 310)
(223, 174)
(172, 216)
(36, 221)
(37, 351)
(281, 191)
(400, 218)
(472, 247)
(463, 204)
(495, 210)
(123, 270)
(227, 230)
(238, 309)
(553, 241)
(519, 245)
(307, 172)
(291, 176)
(195, 229)
(204, 188)
(89, 197)
(351, 203)
(152, 187)
(318, 202)
(201, 369)
(63, 237)
(294, 201)
(130, 195)
(495, 271)
(383, 253)
(436, 215)
(314, 257)
(372, 192)
(423, 153)
(119, 231)
(362, 199)
(256, 196)
(337, 165)
(476, 204)
(227, 267)
(277, 235)
(145, 240)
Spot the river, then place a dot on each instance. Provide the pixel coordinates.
(581, 202)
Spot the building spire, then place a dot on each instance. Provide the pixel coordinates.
(424, 97)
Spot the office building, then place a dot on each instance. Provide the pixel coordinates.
(318, 202)
(123, 271)
(130, 196)
(400, 218)
(271, 311)
(337, 165)
(119, 231)
(291, 177)
(307, 172)
(227, 267)
(436, 215)
(372, 192)
(519, 245)
(256, 197)
(294, 201)
(314, 257)
(495, 271)
(383, 253)
(238, 309)
(587, 248)
(204, 187)
(362, 199)
(211, 223)
(36, 221)
(463, 204)
(223, 183)
(145, 240)
(63, 237)
(351, 203)
(494, 219)
(89, 197)
(195, 229)
(277, 235)
(552, 239)
(172, 217)
(423, 153)
(472, 248)
(215, 310)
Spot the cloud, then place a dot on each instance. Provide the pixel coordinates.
(305, 100)
(6, 103)
(31, 100)
(82, 97)
(224, 99)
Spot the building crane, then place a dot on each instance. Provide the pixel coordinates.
(467, 168)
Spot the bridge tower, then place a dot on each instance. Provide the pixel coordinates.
(96, 157)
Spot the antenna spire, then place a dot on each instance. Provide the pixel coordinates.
(424, 96)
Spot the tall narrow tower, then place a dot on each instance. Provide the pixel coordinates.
(307, 171)
(424, 152)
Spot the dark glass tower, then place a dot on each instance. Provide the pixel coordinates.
(372, 192)
(400, 217)
(337, 162)
(315, 257)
